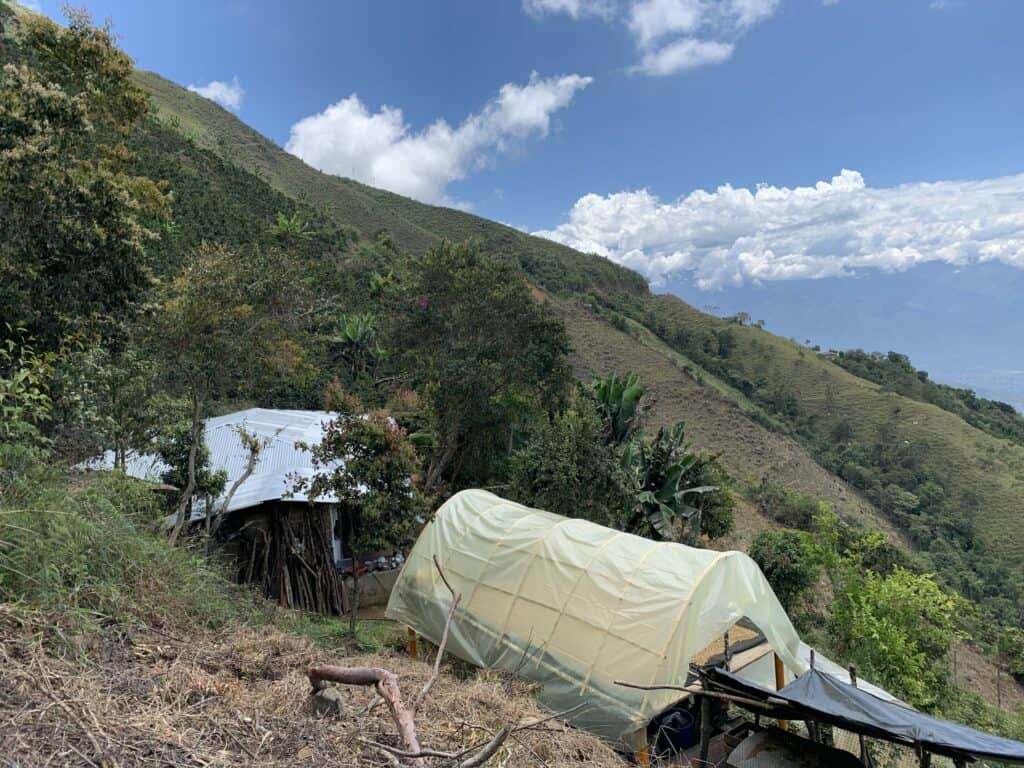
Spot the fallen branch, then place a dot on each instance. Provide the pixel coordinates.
(490, 748)
(386, 684)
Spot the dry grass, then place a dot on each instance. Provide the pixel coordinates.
(238, 697)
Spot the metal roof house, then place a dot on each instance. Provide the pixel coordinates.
(290, 544)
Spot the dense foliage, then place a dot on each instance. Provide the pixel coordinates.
(789, 562)
(595, 461)
(568, 468)
(485, 356)
(74, 222)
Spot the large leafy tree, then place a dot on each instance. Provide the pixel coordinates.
(74, 223)
(225, 325)
(479, 348)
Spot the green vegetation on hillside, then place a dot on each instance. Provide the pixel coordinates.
(257, 280)
(894, 372)
(897, 451)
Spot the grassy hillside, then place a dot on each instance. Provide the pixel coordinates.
(769, 406)
(844, 421)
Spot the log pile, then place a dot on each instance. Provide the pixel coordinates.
(292, 558)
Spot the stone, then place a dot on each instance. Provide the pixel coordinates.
(328, 702)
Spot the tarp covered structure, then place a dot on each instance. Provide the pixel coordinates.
(823, 698)
(576, 606)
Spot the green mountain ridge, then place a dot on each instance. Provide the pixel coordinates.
(768, 405)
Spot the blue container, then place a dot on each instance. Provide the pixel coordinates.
(677, 730)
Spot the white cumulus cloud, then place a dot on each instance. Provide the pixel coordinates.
(228, 95)
(670, 35)
(736, 235)
(380, 148)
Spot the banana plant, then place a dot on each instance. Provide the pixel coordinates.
(290, 227)
(356, 337)
(618, 403)
(659, 470)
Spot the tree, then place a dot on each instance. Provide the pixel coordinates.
(366, 462)
(618, 402)
(898, 628)
(483, 354)
(114, 388)
(789, 562)
(188, 460)
(566, 467)
(74, 223)
(227, 322)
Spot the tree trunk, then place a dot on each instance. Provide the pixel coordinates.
(190, 485)
(440, 464)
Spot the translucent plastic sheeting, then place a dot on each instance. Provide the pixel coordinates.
(575, 606)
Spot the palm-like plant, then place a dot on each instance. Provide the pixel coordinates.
(618, 403)
(290, 227)
(356, 337)
(660, 470)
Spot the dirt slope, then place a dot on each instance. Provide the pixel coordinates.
(749, 450)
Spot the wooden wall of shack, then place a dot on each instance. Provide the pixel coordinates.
(287, 549)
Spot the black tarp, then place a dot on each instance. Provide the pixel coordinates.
(823, 698)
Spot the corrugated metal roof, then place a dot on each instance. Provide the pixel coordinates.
(280, 463)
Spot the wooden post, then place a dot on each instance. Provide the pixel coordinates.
(860, 736)
(926, 758)
(643, 756)
(411, 646)
(780, 683)
(705, 726)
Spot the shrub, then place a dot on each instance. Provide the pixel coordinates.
(789, 562)
(898, 628)
(784, 505)
(568, 468)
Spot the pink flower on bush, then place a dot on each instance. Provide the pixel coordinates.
(423, 302)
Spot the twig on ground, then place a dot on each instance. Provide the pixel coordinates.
(444, 639)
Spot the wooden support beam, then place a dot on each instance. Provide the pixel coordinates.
(860, 737)
(643, 756)
(705, 727)
(780, 683)
(412, 644)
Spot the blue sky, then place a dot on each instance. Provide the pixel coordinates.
(598, 122)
